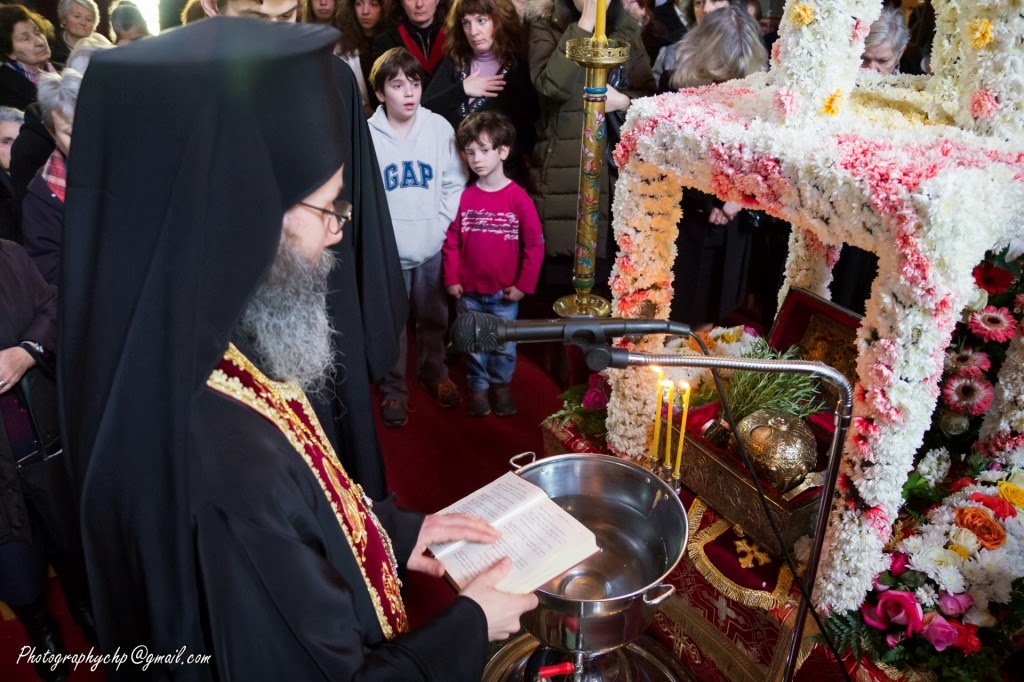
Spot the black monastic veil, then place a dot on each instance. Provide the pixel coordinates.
(202, 527)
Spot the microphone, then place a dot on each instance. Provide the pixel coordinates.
(483, 333)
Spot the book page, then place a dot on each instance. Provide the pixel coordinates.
(543, 542)
(494, 503)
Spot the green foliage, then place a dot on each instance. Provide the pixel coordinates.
(916, 489)
(851, 634)
(587, 421)
(748, 392)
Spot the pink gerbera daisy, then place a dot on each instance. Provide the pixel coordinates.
(967, 394)
(967, 361)
(993, 324)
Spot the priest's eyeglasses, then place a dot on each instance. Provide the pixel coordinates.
(341, 211)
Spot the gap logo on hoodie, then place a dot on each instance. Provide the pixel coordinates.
(412, 174)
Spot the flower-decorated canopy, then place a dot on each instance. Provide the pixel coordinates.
(926, 172)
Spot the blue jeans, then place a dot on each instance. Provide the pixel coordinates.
(486, 369)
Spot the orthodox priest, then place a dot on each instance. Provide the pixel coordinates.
(217, 520)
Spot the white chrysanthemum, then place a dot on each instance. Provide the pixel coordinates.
(934, 466)
(926, 595)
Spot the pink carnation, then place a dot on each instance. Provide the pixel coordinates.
(784, 101)
(878, 521)
(983, 104)
(860, 31)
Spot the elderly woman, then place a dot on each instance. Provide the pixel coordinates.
(25, 53)
(714, 241)
(42, 220)
(885, 42)
(127, 23)
(79, 19)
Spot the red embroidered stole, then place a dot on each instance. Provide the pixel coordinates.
(285, 406)
(436, 49)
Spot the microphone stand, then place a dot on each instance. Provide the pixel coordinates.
(600, 357)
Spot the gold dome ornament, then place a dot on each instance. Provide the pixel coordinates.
(781, 446)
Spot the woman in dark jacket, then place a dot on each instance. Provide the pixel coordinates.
(484, 69)
(28, 334)
(25, 53)
(559, 84)
(418, 26)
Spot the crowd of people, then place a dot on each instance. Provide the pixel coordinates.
(427, 161)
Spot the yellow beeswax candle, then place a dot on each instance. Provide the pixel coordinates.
(669, 398)
(657, 423)
(684, 388)
(599, 21)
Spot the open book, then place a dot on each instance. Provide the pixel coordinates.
(542, 539)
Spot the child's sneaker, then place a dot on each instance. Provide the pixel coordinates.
(445, 393)
(501, 400)
(394, 412)
(478, 404)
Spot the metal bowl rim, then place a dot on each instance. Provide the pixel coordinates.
(669, 493)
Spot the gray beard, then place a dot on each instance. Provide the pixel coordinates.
(286, 321)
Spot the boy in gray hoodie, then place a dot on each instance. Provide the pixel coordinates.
(424, 177)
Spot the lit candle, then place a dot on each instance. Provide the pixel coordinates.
(669, 397)
(657, 422)
(599, 22)
(684, 388)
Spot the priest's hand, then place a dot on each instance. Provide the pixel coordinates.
(502, 609)
(447, 528)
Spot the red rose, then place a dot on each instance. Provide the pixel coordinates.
(1000, 507)
(992, 279)
(961, 483)
(967, 637)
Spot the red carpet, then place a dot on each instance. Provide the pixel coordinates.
(442, 455)
(438, 457)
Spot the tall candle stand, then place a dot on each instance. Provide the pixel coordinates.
(597, 55)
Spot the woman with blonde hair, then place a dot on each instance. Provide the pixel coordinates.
(715, 237)
(726, 45)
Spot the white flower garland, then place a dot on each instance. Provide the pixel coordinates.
(887, 176)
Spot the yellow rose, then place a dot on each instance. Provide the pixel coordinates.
(803, 15)
(980, 33)
(1011, 494)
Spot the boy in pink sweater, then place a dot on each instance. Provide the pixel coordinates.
(492, 253)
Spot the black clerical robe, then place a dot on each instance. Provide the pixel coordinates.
(291, 584)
